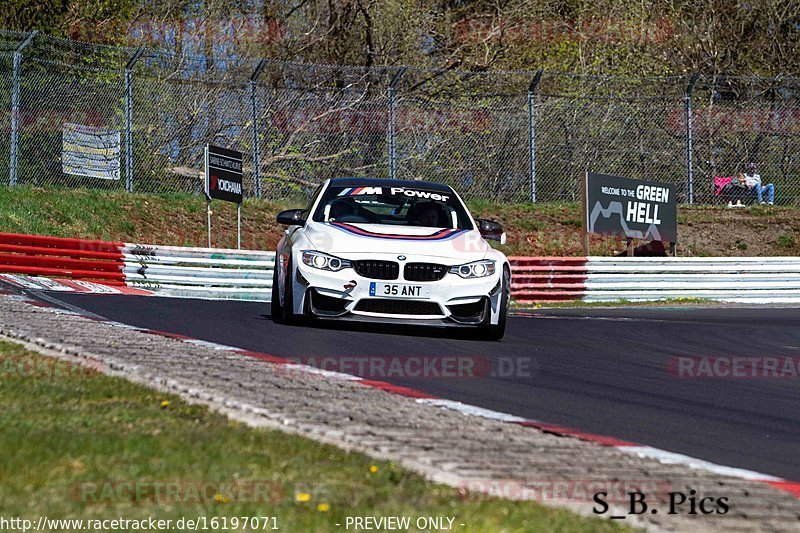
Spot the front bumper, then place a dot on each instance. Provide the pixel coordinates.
(346, 295)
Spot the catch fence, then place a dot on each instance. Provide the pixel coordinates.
(495, 136)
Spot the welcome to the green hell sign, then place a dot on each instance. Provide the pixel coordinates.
(640, 212)
(631, 208)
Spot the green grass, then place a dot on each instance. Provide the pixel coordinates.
(73, 214)
(73, 438)
(785, 241)
(175, 219)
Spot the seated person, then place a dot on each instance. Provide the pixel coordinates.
(753, 181)
(429, 214)
(736, 192)
(739, 192)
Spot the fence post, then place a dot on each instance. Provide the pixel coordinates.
(15, 90)
(129, 119)
(256, 148)
(532, 132)
(392, 142)
(689, 139)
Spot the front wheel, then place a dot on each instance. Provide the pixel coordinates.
(275, 304)
(495, 332)
(287, 315)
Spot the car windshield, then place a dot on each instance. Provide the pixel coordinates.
(398, 206)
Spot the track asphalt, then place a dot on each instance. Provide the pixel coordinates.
(610, 371)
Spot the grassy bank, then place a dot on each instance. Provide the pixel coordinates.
(177, 219)
(81, 445)
(554, 229)
(533, 229)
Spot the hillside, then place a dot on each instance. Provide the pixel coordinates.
(541, 229)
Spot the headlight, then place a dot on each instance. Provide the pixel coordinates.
(324, 261)
(478, 269)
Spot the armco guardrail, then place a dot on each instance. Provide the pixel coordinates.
(247, 275)
(606, 279)
(167, 270)
(199, 272)
(548, 279)
(69, 258)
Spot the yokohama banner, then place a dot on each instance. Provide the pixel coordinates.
(223, 174)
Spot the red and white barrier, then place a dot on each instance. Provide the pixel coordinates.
(92, 265)
(610, 279)
(69, 258)
(548, 279)
(117, 267)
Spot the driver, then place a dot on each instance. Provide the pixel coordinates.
(429, 214)
(341, 208)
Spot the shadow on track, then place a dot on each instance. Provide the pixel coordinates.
(416, 330)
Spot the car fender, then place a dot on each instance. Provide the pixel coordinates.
(293, 245)
(496, 299)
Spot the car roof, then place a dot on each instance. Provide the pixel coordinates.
(376, 182)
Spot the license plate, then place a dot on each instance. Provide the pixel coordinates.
(398, 290)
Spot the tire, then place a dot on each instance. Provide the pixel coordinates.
(275, 305)
(495, 332)
(287, 314)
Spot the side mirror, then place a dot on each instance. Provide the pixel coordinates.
(291, 217)
(492, 230)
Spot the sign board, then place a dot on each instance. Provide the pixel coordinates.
(635, 209)
(223, 174)
(90, 151)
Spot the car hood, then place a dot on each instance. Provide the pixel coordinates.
(340, 238)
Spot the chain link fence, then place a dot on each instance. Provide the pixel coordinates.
(613, 125)
(501, 136)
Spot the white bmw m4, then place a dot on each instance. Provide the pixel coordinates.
(390, 251)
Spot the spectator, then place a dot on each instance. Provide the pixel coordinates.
(737, 191)
(753, 181)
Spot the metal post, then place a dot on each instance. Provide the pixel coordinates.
(392, 141)
(584, 181)
(129, 120)
(208, 197)
(15, 96)
(256, 150)
(238, 226)
(208, 215)
(532, 132)
(689, 148)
